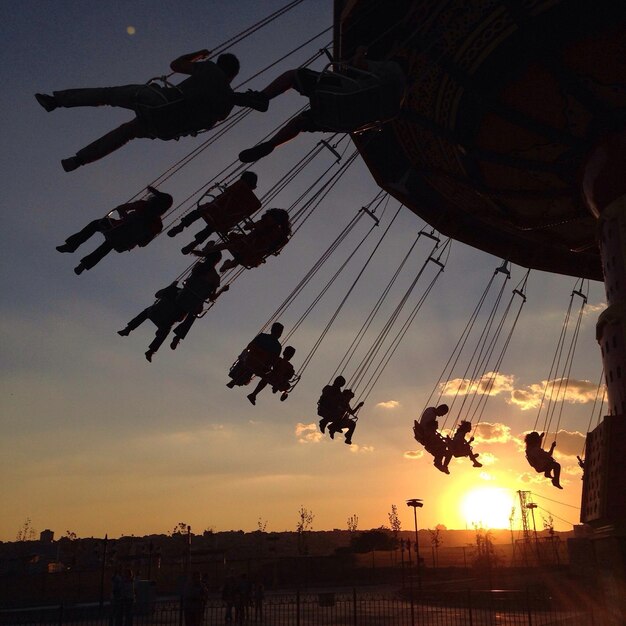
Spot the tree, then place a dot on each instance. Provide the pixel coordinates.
(394, 521)
(485, 556)
(353, 523)
(436, 541)
(26, 532)
(180, 529)
(261, 525)
(371, 540)
(305, 524)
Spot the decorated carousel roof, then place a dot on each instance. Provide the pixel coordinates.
(506, 99)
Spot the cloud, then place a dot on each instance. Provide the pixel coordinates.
(491, 383)
(593, 309)
(487, 458)
(492, 433)
(413, 454)
(531, 479)
(308, 433)
(390, 404)
(573, 470)
(569, 443)
(573, 391)
(356, 449)
(486, 476)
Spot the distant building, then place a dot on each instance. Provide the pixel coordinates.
(46, 536)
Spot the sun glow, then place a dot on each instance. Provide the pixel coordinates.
(489, 507)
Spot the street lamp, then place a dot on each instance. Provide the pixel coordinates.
(417, 503)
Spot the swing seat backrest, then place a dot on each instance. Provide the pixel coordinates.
(246, 253)
(258, 360)
(418, 432)
(236, 204)
(351, 99)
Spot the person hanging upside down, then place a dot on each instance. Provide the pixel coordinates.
(426, 432)
(460, 447)
(279, 377)
(161, 112)
(348, 417)
(260, 355)
(541, 460)
(179, 304)
(379, 88)
(139, 223)
(267, 236)
(329, 404)
(236, 203)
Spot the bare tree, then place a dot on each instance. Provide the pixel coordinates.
(394, 521)
(305, 524)
(261, 524)
(353, 523)
(179, 529)
(436, 541)
(26, 531)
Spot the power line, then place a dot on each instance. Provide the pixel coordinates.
(556, 502)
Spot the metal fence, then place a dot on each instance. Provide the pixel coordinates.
(354, 608)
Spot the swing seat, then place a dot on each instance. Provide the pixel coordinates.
(248, 255)
(286, 387)
(352, 100)
(223, 212)
(254, 361)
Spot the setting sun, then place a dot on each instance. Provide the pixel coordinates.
(489, 507)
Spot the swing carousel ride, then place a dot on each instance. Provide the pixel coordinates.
(512, 140)
(509, 139)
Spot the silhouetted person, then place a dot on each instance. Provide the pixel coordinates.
(329, 403)
(347, 414)
(161, 112)
(179, 304)
(267, 236)
(362, 107)
(279, 377)
(458, 446)
(242, 600)
(230, 591)
(127, 599)
(236, 203)
(426, 432)
(195, 597)
(541, 460)
(260, 355)
(139, 223)
(258, 595)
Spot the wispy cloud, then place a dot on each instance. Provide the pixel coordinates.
(570, 390)
(487, 458)
(594, 309)
(307, 433)
(491, 383)
(390, 404)
(413, 454)
(356, 449)
(573, 391)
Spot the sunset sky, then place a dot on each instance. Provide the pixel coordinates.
(96, 440)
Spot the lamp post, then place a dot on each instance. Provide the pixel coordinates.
(417, 503)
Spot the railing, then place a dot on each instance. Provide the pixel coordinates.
(327, 608)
